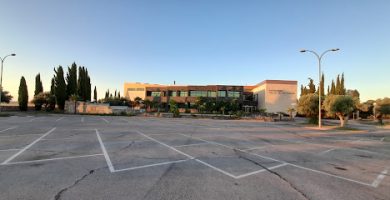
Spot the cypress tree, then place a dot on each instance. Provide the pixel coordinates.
(80, 83)
(342, 87)
(95, 94)
(60, 87)
(333, 88)
(38, 89)
(322, 85)
(87, 86)
(312, 87)
(38, 85)
(119, 95)
(52, 86)
(338, 86)
(328, 93)
(71, 80)
(23, 95)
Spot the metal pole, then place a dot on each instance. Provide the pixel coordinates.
(1, 83)
(319, 93)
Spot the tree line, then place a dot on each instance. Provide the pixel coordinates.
(62, 88)
(338, 102)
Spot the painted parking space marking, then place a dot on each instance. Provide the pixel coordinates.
(52, 159)
(379, 178)
(151, 165)
(10, 128)
(326, 151)
(108, 160)
(105, 120)
(9, 150)
(59, 119)
(28, 146)
(188, 145)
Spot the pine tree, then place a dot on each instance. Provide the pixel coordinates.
(95, 94)
(23, 95)
(71, 80)
(60, 87)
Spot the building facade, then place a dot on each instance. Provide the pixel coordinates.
(271, 95)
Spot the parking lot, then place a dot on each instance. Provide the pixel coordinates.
(106, 157)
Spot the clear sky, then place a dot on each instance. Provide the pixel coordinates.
(197, 41)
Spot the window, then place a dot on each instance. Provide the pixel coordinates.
(155, 94)
(183, 93)
(140, 89)
(233, 94)
(198, 93)
(174, 94)
(130, 89)
(221, 93)
(211, 94)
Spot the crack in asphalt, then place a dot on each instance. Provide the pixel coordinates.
(158, 181)
(239, 153)
(58, 195)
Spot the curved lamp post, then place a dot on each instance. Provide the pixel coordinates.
(319, 57)
(1, 77)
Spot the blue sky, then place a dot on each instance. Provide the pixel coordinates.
(197, 41)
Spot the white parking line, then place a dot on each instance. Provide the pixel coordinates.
(217, 169)
(382, 139)
(9, 149)
(35, 118)
(259, 171)
(151, 165)
(28, 146)
(105, 120)
(57, 139)
(10, 128)
(51, 159)
(326, 151)
(150, 138)
(188, 145)
(108, 160)
(20, 135)
(59, 119)
(254, 148)
(380, 178)
(325, 173)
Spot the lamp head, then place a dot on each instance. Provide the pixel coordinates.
(13, 54)
(302, 51)
(335, 49)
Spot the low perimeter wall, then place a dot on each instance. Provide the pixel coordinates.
(93, 108)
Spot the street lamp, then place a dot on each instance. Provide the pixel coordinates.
(319, 57)
(1, 77)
